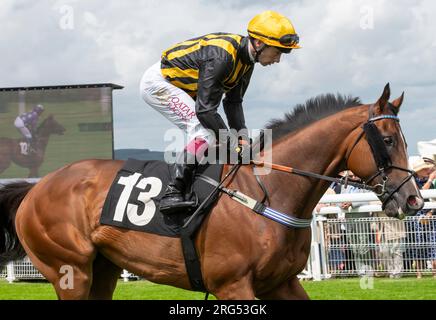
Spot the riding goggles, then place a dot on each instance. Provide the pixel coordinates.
(287, 40)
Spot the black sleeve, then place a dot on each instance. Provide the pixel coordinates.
(233, 103)
(211, 75)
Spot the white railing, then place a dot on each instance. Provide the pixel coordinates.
(21, 270)
(322, 263)
(368, 197)
(379, 246)
(336, 240)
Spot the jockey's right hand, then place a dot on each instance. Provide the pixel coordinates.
(232, 144)
(243, 149)
(238, 145)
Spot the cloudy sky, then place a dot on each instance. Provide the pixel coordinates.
(351, 47)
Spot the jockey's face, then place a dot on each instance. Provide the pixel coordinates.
(269, 56)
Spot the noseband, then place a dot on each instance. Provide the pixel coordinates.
(381, 157)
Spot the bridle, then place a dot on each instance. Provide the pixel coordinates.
(381, 157)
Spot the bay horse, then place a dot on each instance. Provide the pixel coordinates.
(242, 255)
(10, 150)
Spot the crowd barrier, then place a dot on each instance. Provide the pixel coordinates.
(370, 244)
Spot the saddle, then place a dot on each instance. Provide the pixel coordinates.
(133, 198)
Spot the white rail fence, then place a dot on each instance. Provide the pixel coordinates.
(362, 241)
(343, 245)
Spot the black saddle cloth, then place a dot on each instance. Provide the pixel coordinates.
(133, 198)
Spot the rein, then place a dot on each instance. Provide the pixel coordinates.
(343, 181)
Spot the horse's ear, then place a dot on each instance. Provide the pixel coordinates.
(398, 102)
(384, 99)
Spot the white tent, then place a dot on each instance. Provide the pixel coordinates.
(427, 149)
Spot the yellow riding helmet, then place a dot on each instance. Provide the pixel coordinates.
(274, 29)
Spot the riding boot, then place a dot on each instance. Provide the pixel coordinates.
(29, 148)
(181, 178)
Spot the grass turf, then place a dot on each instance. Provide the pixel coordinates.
(336, 289)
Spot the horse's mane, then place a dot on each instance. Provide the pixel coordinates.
(313, 110)
(42, 124)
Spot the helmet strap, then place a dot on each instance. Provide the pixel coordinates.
(257, 51)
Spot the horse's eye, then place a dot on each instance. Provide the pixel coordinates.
(388, 141)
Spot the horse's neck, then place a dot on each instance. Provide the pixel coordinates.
(43, 140)
(319, 148)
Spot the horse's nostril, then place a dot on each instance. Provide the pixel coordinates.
(414, 202)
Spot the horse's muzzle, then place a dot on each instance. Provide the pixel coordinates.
(400, 207)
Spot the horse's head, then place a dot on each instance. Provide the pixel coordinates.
(50, 126)
(378, 155)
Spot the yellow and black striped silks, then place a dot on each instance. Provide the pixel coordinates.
(182, 63)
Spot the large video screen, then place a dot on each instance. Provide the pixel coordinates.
(42, 130)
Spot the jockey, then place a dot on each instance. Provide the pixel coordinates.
(186, 86)
(26, 124)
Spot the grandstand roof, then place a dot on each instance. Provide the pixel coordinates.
(69, 86)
